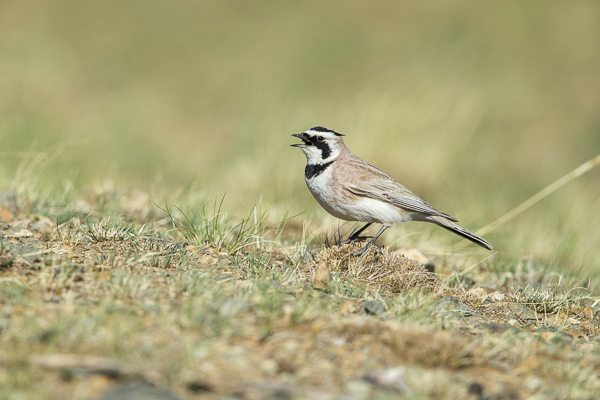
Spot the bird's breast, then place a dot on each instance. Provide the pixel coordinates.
(324, 188)
(331, 194)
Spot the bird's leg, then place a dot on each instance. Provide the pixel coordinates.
(354, 236)
(361, 251)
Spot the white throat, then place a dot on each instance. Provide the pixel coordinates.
(315, 155)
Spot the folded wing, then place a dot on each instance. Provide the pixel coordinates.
(369, 181)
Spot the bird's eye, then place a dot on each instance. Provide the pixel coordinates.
(320, 138)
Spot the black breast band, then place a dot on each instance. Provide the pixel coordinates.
(313, 170)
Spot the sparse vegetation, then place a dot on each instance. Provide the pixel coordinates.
(112, 301)
(122, 262)
(215, 227)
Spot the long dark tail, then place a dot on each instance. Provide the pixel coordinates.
(459, 230)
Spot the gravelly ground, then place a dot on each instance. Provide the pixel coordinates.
(106, 311)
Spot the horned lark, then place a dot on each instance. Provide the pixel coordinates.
(351, 189)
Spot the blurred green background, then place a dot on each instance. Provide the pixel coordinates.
(473, 105)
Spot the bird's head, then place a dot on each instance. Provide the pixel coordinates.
(320, 144)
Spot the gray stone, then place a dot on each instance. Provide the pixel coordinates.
(392, 379)
(8, 200)
(136, 391)
(28, 253)
(521, 313)
(467, 283)
(496, 327)
(452, 305)
(268, 390)
(416, 255)
(42, 225)
(374, 307)
(489, 286)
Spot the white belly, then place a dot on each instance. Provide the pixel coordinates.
(363, 210)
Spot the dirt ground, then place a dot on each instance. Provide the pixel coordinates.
(109, 309)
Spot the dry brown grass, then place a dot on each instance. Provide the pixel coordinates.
(379, 269)
(95, 302)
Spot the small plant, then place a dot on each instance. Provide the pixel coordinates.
(545, 301)
(346, 286)
(337, 236)
(109, 229)
(213, 226)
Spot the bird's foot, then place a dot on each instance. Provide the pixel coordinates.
(364, 250)
(356, 234)
(355, 239)
(358, 253)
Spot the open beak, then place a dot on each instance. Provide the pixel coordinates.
(302, 137)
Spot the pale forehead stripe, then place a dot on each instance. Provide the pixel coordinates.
(323, 129)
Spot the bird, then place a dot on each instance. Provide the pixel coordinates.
(352, 189)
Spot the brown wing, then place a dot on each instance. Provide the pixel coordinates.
(364, 179)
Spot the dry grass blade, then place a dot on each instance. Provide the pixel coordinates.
(546, 301)
(463, 272)
(109, 229)
(577, 172)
